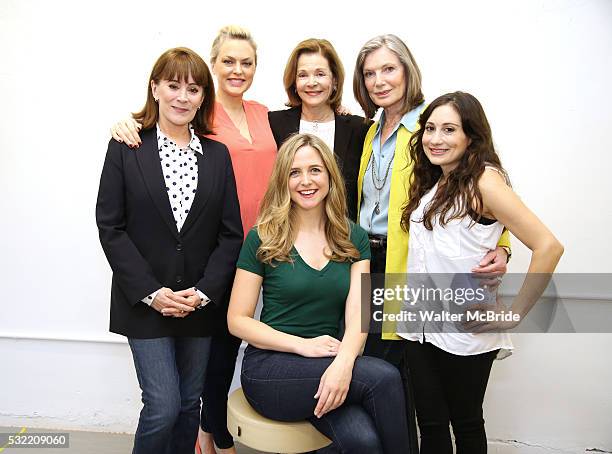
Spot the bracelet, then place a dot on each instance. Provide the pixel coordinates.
(508, 251)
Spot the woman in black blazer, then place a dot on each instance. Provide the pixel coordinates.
(169, 224)
(313, 79)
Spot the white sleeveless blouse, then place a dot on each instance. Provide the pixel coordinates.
(455, 248)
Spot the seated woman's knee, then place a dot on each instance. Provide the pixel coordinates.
(361, 441)
(386, 375)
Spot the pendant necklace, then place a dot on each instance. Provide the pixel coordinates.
(378, 185)
(315, 123)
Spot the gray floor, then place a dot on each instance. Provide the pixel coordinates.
(89, 443)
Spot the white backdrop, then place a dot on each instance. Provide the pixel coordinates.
(70, 69)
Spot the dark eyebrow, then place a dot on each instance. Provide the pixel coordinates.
(443, 124)
(178, 82)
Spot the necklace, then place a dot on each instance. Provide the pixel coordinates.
(240, 122)
(378, 185)
(315, 123)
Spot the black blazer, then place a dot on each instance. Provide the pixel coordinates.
(144, 248)
(348, 145)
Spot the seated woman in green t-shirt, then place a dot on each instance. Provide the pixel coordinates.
(309, 257)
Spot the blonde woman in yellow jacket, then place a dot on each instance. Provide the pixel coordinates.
(387, 76)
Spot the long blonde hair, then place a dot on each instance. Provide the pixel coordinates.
(277, 224)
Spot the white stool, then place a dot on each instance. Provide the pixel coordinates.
(253, 430)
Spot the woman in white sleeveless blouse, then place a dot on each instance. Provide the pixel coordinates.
(459, 204)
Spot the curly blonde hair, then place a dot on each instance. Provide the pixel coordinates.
(277, 224)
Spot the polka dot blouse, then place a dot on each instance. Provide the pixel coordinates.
(180, 169)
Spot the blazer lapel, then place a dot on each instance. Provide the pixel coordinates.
(292, 122)
(148, 160)
(205, 184)
(342, 136)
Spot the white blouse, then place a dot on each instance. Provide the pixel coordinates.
(325, 131)
(443, 258)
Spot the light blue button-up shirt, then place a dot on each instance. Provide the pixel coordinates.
(373, 223)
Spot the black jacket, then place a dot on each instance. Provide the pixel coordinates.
(144, 248)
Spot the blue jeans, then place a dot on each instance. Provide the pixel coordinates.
(372, 419)
(170, 372)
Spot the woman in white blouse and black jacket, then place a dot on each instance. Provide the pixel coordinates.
(313, 79)
(169, 224)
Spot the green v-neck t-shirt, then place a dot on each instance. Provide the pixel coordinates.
(299, 299)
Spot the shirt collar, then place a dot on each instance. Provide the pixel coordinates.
(194, 144)
(409, 120)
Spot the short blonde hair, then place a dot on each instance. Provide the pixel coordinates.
(413, 95)
(277, 221)
(327, 51)
(231, 32)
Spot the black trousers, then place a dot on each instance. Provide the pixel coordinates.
(449, 388)
(393, 352)
(222, 362)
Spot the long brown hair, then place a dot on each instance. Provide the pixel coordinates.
(179, 63)
(458, 195)
(277, 222)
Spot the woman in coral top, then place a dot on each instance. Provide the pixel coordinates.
(243, 127)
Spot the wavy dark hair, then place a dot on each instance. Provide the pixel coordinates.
(458, 195)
